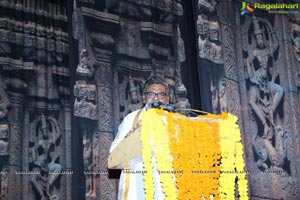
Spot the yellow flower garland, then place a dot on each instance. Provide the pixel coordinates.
(160, 146)
(147, 158)
(202, 155)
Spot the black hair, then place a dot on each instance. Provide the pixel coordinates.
(156, 80)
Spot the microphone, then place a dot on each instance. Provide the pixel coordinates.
(160, 105)
(171, 108)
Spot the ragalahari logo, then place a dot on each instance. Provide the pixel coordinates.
(246, 8)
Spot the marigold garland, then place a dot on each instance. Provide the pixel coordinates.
(147, 158)
(204, 154)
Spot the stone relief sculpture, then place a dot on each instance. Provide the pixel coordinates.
(265, 95)
(4, 102)
(134, 94)
(90, 159)
(130, 94)
(295, 36)
(44, 156)
(4, 183)
(208, 4)
(3, 139)
(210, 47)
(208, 29)
(84, 105)
(84, 89)
(85, 66)
(208, 39)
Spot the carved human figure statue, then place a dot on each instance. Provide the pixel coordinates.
(87, 155)
(86, 65)
(45, 155)
(4, 183)
(265, 94)
(295, 36)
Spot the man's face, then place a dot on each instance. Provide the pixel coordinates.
(156, 92)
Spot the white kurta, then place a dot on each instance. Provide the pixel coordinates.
(131, 184)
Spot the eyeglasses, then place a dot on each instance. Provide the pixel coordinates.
(151, 95)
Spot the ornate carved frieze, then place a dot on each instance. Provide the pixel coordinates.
(129, 41)
(96, 21)
(165, 11)
(33, 55)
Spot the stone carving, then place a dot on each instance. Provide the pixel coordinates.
(85, 67)
(85, 93)
(4, 140)
(130, 90)
(209, 39)
(4, 102)
(4, 183)
(298, 81)
(219, 98)
(265, 95)
(295, 36)
(180, 43)
(158, 50)
(44, 156)
(90, 159)
(209, 5)
(134, 95)
(84, 105)
(276, 154)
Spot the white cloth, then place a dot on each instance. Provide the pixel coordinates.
(134, 176)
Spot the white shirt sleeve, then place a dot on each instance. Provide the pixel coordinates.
(123, 129)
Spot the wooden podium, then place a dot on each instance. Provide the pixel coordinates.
(129, 148)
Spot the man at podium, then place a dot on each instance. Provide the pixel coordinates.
(131, 181)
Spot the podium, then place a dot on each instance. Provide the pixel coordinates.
(195, 157)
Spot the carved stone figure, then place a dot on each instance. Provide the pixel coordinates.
(295, 36)
(135, 96)
(90, 160)
(265, 94)
(276, 154)
(4, 183)
(85, 67)
(3, 139)
(87, 155)
(84, 105)
(209, 39)
(219, 98)
(45, 157)
(4, 102)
